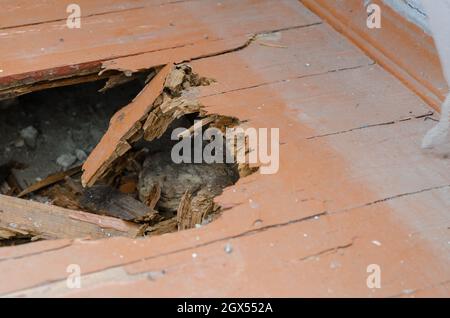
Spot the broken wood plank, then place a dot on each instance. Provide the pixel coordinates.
(123, 125)
(6, 234)
(148, 116)
(101, 37)
(85, 73)
(48, 221)
(31, 12)
(116, 80)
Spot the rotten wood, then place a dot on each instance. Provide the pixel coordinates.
(198, 125)
(124, 124)
(185, 189)
(185, 217)
(28, 218)
(63, 195)
(163, 227)
(148, 116)
(153, 196)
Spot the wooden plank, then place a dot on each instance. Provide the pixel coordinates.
(15, 13)
(122, 126)
(46, 221)
(308, 50)
(51, 50)
(400, 46)
(363, 116)
(359, 196)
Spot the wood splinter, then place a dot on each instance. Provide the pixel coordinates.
(20, 218)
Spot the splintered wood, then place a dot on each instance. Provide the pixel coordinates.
(186, 189)
(21, 218)
(147, 116)
(130, 189)
(123, 128)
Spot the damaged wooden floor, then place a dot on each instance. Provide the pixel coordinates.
(353, 187)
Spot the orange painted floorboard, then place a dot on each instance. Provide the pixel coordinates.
(353, 187)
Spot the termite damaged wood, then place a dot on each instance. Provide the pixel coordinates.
(20, 217)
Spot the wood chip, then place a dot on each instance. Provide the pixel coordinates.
(273, 45)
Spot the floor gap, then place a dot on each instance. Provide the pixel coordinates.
(46, 136)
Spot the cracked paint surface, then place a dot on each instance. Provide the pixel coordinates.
(314, 224)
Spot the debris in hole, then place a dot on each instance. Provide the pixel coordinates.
(165, 226)
(7, 103)
(8, 183)
(182, 190)
(81, 155)
(130, 175)
(123, 126)
(19, 143)
(103, 199)
(187, 189)
(29, 135)
(5, 170)
(148, 116)
(66, 160)
(50, 180)
(51, 112)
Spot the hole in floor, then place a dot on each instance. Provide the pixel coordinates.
(46, 136)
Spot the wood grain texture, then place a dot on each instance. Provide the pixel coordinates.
(353, 187)
(51, 51)
(37, 219)
(400, 46)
